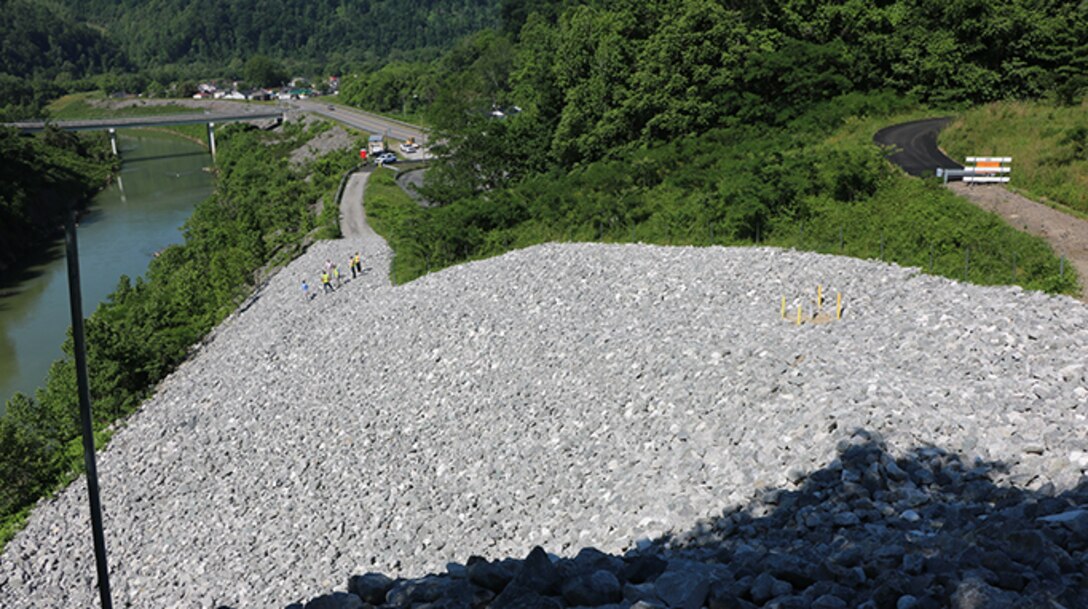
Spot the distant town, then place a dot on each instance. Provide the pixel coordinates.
(297, 88)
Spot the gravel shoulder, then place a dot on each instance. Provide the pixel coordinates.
(1067, 235)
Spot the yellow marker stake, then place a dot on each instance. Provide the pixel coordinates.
(819, 297)
(838, 305)
(783, 307)
(798, 314)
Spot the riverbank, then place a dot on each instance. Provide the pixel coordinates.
(145, 328)
(124, 226)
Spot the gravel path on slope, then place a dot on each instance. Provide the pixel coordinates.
(1066, 234)
(353, 224)
(563, 395)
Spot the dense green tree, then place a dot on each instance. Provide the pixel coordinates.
(40, 178)
(38, 42)
(319, 33)
(263, 71)
(401, 87)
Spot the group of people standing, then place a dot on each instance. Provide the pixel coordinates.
(331, 279)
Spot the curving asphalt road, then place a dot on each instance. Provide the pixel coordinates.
(916, 146)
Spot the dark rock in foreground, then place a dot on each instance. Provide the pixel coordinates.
(972, 545)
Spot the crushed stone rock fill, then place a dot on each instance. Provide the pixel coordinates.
(638, 400)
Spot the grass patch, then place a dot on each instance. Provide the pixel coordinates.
(1048, 145)
(920, 223)
(77, 106)
(395, 216)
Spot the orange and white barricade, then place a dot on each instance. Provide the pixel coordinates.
(987, 169)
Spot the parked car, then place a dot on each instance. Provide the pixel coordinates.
(385, 157)
(409, 148)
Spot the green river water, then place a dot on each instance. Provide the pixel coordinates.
(162, 178)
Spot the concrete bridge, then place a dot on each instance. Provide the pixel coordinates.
(113, 124)
(351, 117)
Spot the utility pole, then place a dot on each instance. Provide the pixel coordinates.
(75, 298)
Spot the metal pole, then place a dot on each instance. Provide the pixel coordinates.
(75, 298)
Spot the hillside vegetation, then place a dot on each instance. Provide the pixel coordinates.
(310, 33)
(43, 53)
(695, 122)
(40, 177)
(1048, 143)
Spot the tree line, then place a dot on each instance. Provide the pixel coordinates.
(601, 78)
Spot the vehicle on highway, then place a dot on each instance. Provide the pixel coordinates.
(385, 157)
(332, 108)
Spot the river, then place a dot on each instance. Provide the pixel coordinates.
(162, 178)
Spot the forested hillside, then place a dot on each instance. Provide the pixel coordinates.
(608, 75)
(698, 121)
(42, 53)
(329, 34)
(166, 46)
(40, 177)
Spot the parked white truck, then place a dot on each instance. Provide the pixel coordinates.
(375, 145)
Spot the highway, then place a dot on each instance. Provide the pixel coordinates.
(364, 121)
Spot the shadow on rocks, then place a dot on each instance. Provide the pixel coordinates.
(923, 531)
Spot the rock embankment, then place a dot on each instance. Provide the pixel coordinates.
(922, 531)
(624, 398)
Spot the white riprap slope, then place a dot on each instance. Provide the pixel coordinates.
(563, 395)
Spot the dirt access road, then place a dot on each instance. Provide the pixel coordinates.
(1067, 235)
(918, 154)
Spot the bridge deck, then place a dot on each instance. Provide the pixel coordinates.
(146, 121)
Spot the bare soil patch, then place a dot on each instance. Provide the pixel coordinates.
(1068, 235)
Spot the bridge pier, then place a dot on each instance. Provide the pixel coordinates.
(211, 138)
(113, 141)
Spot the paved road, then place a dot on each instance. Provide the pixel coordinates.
(918, 154)
(916, 146)
(353, 223)
(364, 121)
